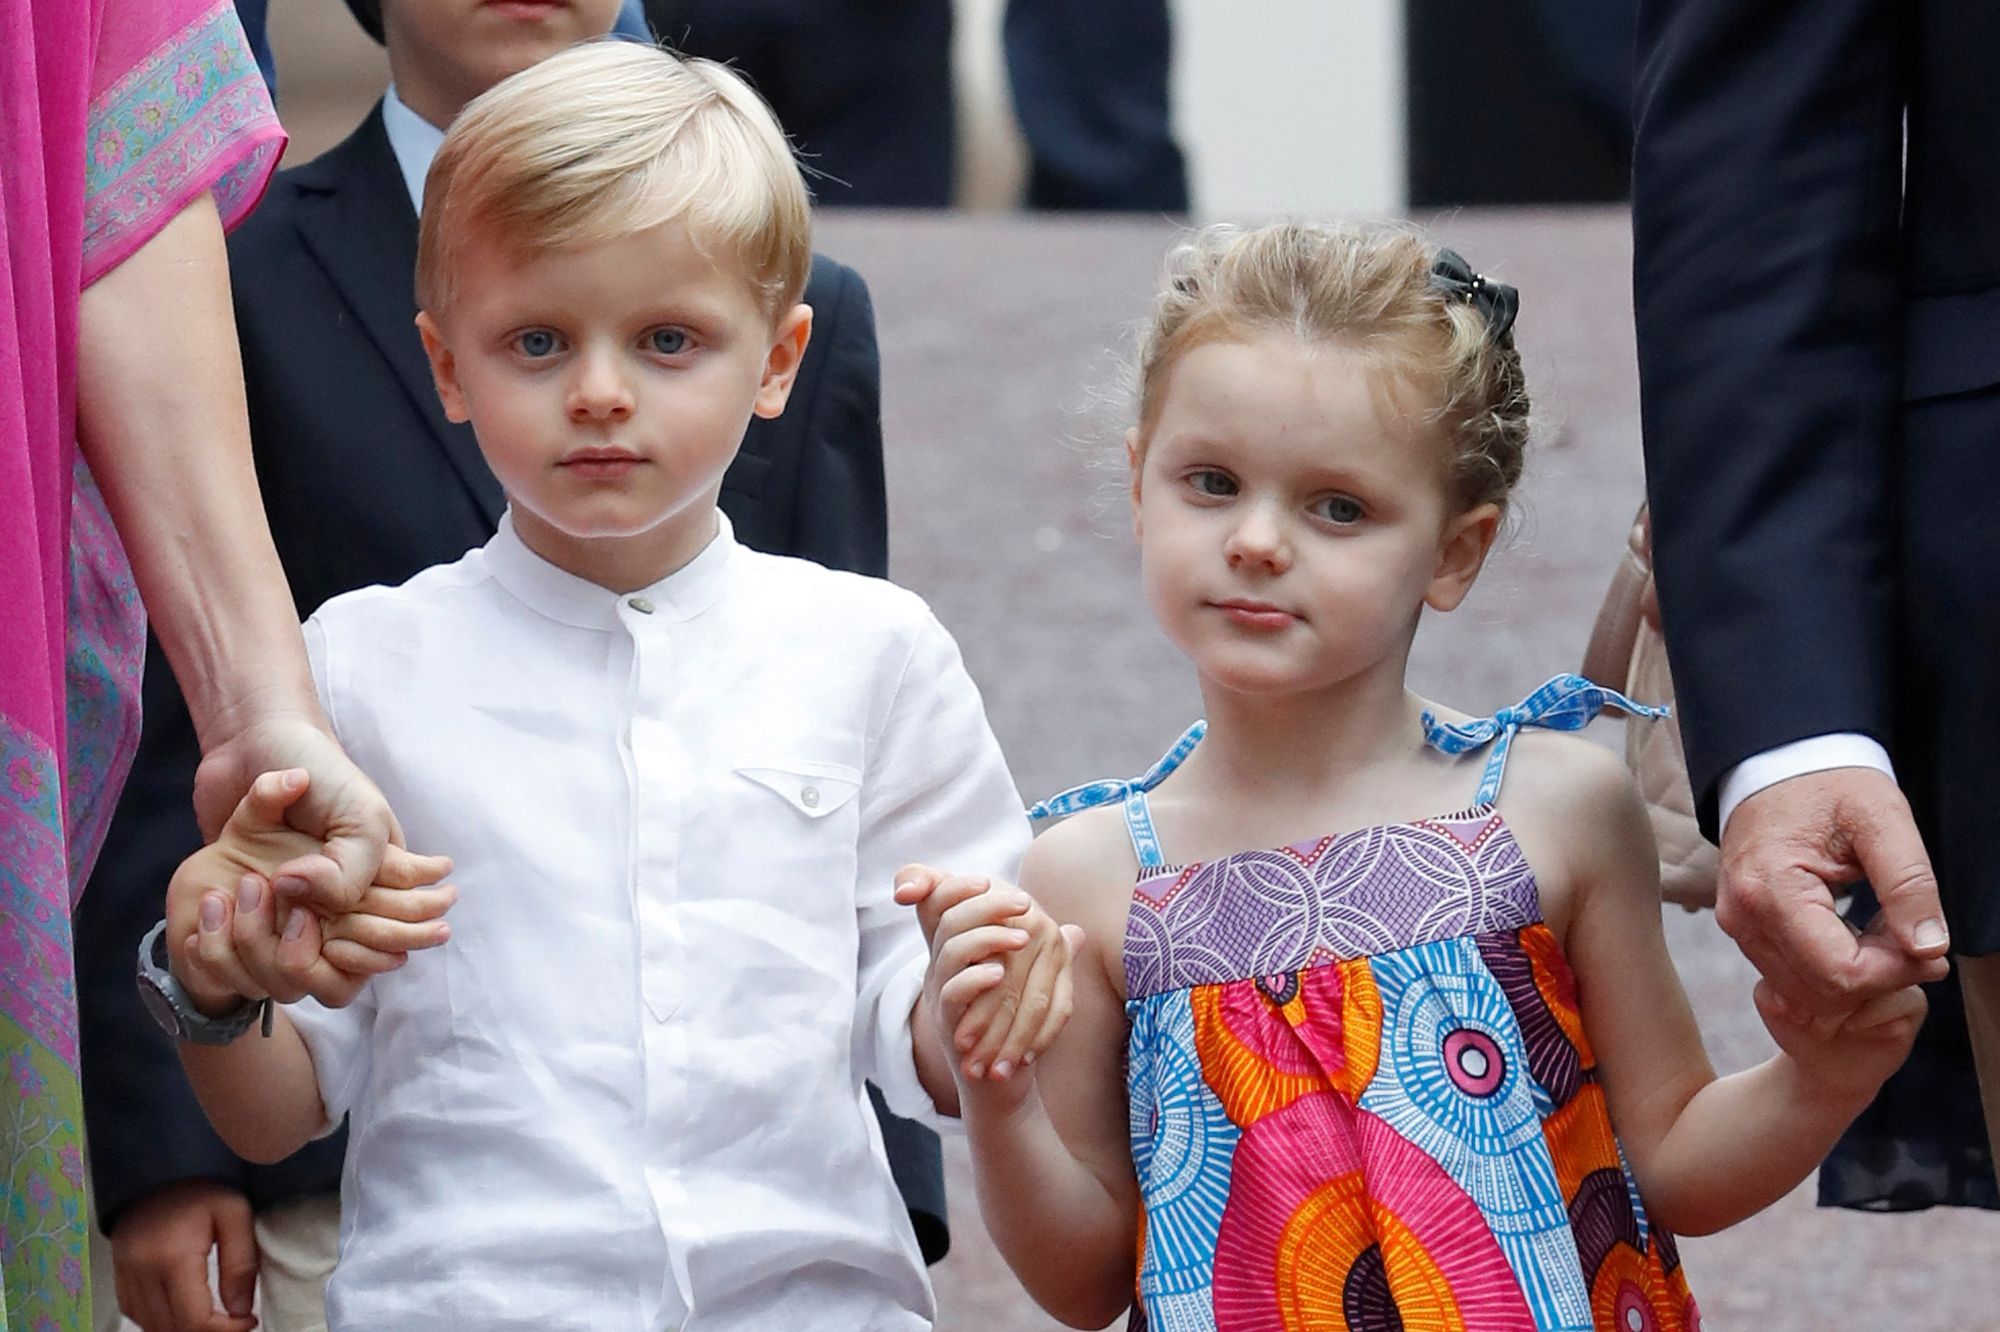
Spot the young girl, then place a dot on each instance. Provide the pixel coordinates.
(1352, 1051)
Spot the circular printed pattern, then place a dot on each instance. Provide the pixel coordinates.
(1630, 1294)
(1182, 1145)
(1473, 1061)
(1336, 1221)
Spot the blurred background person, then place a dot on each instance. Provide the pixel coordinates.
(867, 90)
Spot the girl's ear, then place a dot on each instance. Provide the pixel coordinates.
(1133, 460)
(1461, 554)
(444, 369)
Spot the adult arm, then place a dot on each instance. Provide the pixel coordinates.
(1767, 187)
(161, 419)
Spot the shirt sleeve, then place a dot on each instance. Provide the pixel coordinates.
(936, 790)
(1819, 753)
(339, 1041)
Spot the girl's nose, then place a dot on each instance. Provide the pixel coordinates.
(1258, 541)
(600, 390)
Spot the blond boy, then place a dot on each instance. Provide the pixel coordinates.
(676, 776)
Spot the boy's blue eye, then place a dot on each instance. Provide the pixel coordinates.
(1340, 509)
(537, 343)
(667, 341)
(1210, 482)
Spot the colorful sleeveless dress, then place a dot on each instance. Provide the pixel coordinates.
(1361, 1094)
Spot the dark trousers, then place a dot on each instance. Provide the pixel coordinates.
(864, 87)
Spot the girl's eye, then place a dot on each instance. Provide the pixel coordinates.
(667, 341)
(1212, 483)
(537, 343)
(1340, 509)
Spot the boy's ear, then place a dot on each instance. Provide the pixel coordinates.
(444, 369)
(781, 367)
(1133, 461)
(1467, 540)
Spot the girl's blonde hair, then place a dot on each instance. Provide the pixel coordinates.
(612, 137)
(1369, 290)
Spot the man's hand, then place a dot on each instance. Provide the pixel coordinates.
(159, 1252)
(340, 807)
(1784, 852)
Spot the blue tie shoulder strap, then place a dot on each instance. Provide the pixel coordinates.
(1138, 818)
(1565, 703)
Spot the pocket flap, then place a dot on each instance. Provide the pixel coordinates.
(814, 788)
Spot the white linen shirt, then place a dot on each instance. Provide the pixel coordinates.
(627, 1093)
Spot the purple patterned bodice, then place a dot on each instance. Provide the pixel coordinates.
(1371, 891)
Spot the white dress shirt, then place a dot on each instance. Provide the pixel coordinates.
(413, 140)
(627, 1094)
(1818, 753)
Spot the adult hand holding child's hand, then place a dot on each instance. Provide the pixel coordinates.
(231, 938)
(999, 981)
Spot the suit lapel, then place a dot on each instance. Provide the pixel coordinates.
(356, 219)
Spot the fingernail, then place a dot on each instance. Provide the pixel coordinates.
(1018, 936)
(1930, 934)
(290, 885)
(1027, 1059)
(977, 1071)
(443, 931)
(295, 924)
(249, 892)
(1002, 1069)
(211, 912)
(905, 886)
(292, 779)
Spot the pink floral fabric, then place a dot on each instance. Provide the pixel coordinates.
(114, 115)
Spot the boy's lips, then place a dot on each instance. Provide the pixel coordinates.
(600, 463)
(528, 10)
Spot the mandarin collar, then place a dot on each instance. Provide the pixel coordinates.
(562, 596)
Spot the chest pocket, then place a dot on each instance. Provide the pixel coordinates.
(813, 788)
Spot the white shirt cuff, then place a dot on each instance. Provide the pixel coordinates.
(1842, 749)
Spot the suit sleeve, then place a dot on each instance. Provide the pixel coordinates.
(841, 514)
(146, 1129)
(1766, 195)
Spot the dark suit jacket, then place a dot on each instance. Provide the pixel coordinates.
(366, 482)
(1819, 330)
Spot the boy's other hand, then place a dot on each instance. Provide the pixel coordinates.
(1000, 976)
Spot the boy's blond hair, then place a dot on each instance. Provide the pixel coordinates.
(612, 137)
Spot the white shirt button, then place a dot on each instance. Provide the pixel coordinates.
(810, 797)
(640, 604)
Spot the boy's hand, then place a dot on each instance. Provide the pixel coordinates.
(227, 940)
(999, 980)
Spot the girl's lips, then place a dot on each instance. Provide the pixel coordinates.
(1256, 614)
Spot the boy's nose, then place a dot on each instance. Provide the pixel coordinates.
(1258, 540)
(600, 391)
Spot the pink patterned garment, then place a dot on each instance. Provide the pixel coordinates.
(114, 115)
(1362, 1097)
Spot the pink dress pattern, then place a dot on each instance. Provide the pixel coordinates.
(1361, 1097)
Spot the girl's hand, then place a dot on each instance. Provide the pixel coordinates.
(1847, 1057)
(1000, 977)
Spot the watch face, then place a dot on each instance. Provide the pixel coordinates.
(158, 1005)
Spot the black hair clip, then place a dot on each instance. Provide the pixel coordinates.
(1497, 302)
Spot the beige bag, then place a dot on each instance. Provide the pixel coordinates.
(1627, 653)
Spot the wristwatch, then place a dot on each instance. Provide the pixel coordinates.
(168, 1001)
